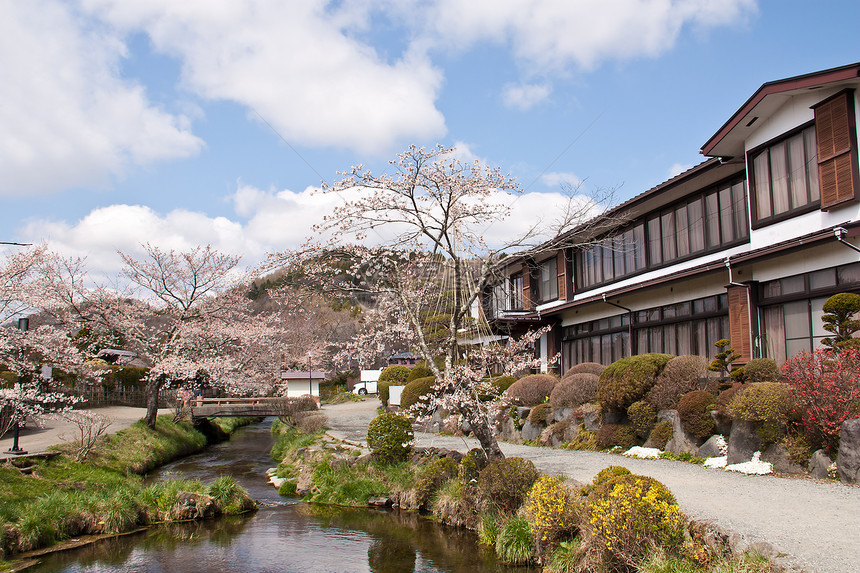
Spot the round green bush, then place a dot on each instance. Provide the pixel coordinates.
(725, 397)
(642, 416)
(586, 368)
(694, 410)
(608, 473)
(574, 390)
(661, 434)
(414, 390)
(505, 483)
(761, 370)
(628, 380)
(391, 376)
(762, 402)
(630, 515)
(420, 370)
(432, 477)
(531, 390)
(390, 437)
(539, 413)
(498, 386)
(681, 375)
(471, 465)
(621, 435)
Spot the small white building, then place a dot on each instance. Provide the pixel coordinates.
(300, 383)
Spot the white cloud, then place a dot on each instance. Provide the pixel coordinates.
(525, 96)
(554, 179)
(66, 118)
(298, 64)
(553, 34)
(677, 169)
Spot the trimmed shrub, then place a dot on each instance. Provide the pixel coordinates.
(551, 510)
(514, 542)
(661, 434)
(391, 376)
(420, 370)
(497, 387)
(471, 465)
(414, 390)
(681, 375)
(761, 370)
(642, 417)
(586, 368)
(770, 404)
(584, 440)
(628, 380)
(611, 435)
(840, 310)
(695, 412)
(531, 390)
(607, 474)
(432, 477)
(725, 398)
(539, 413)
(505, 483)
(630, 516)
(390, 437)
(574, 390)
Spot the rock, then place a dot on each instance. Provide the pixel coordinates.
(277, 482)
(613, 417)
(711, 448)
(466, 427)
(523, 412)
(744, 441)
(680, 441)
(509, 432)
(562, 414)
(819, 465)
(380, 502)
(848, 459)
(723, 424)
(363, 459)
(531, 431)
(778, 457)
(192, 506)
(591, 417)
(305, 482)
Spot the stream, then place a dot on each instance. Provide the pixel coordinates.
(284, 535)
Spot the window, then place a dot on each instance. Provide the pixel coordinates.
(516, 293)
(785, 177)
(548, 280)
(836, 134)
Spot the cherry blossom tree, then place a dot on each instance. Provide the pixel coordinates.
(429, 217)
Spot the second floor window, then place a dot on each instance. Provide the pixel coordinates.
(785, 177)
(548, 280)
(516, 293)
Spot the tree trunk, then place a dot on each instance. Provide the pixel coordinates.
(484, 434)
(151, 403)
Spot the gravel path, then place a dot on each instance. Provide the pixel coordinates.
(816, 523)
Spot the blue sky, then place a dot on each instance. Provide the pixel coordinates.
(124, 121)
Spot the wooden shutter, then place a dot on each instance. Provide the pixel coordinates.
(562, 275)
(740, 330)
(527, 288)
(836, 134)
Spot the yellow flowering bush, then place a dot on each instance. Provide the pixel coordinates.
(550, 509)
(630, 515)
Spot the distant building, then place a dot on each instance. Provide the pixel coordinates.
(403, 359)
(299, 382)
(747, 245)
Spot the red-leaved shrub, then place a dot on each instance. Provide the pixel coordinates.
(827, 390)
(585, 368)
(574, 390)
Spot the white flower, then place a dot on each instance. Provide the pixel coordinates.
(640, 452)
(719, 462)
(753, 467)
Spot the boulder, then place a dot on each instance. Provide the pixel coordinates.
(711, 448)
(744, 441)
(305, 481)
(819, 465)
(192, 506)
(531, 431)
(848, 459)
(613, 417)
(562, 414)
(778, 457)
(523, 412)
(591, 417)
(465, 426)
(508, 431)
(722, 424)
(680, 441)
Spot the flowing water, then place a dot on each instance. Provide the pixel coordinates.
(284, 535)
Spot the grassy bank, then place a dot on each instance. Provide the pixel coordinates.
(46, 501)
(619, 523)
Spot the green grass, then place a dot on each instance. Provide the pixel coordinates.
(63, 498)
(514, 542)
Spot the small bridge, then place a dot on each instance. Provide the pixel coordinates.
(232, 407)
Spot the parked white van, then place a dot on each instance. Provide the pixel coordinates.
(369, 383)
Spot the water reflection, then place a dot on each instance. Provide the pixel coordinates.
(288, 537)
